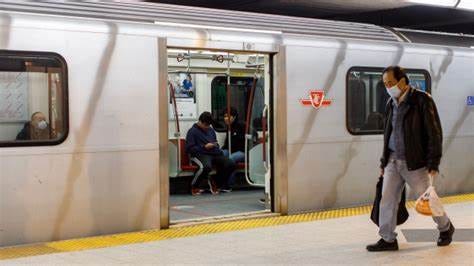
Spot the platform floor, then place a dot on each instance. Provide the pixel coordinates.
(188, 207)
(323, 242)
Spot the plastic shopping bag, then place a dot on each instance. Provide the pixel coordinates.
(435, 204)
(422, 205)
(429, 203)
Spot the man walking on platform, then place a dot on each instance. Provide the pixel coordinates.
(412, 154)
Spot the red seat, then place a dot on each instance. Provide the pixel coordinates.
(186, 164)
(240, 166)
(189, 168)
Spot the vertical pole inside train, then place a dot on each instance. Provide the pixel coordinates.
(177, 132)
(229, 125)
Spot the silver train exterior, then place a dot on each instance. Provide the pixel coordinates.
(110, 175)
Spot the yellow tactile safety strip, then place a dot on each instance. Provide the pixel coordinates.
(156, 235)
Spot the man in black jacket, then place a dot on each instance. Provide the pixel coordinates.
(202, 146)
(237, 142)
(237, 138)
(412, 153)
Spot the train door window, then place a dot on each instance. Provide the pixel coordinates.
(419, 80)
(240, 90)
(33, 99)
(367, 97)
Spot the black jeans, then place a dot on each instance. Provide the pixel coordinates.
(224, 166)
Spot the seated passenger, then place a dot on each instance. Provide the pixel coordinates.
(238, 136)
(202, 146)
(237, 142)
(36, 129)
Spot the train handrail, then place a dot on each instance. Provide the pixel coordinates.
(264, 133)
(249, 136)
(177, 134)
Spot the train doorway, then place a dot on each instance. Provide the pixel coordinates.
(235, 89)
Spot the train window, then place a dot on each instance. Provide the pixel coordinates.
(240, 91)
(367, 97)
(33, 99)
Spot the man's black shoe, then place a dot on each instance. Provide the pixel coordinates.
(383, 245)
(446, 237)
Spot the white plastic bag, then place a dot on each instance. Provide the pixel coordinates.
(429, 203)
(435, 203)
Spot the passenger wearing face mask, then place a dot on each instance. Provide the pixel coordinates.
(36, 129)
(411, 154)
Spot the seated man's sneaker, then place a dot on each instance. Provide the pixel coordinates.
(213, 186)
(446, 237)
(383, 245)
(196, 191)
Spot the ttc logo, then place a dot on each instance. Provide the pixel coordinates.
(316, 99)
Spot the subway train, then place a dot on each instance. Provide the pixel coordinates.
(111, 81)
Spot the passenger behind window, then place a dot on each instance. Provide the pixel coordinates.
(36, 129)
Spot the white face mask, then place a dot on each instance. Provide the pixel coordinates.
(394, 91)
(42, 124)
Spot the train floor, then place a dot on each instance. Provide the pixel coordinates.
(291, 240)
(185, 207)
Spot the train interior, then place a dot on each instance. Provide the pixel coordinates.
(218, 82)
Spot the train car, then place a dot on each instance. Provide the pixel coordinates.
(107, 78)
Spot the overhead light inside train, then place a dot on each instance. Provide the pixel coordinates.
(172, 24)
(462, 4)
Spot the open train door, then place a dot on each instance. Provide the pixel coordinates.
(222, 81)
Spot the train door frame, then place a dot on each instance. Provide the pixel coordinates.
(163, 156)
(277, 119)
